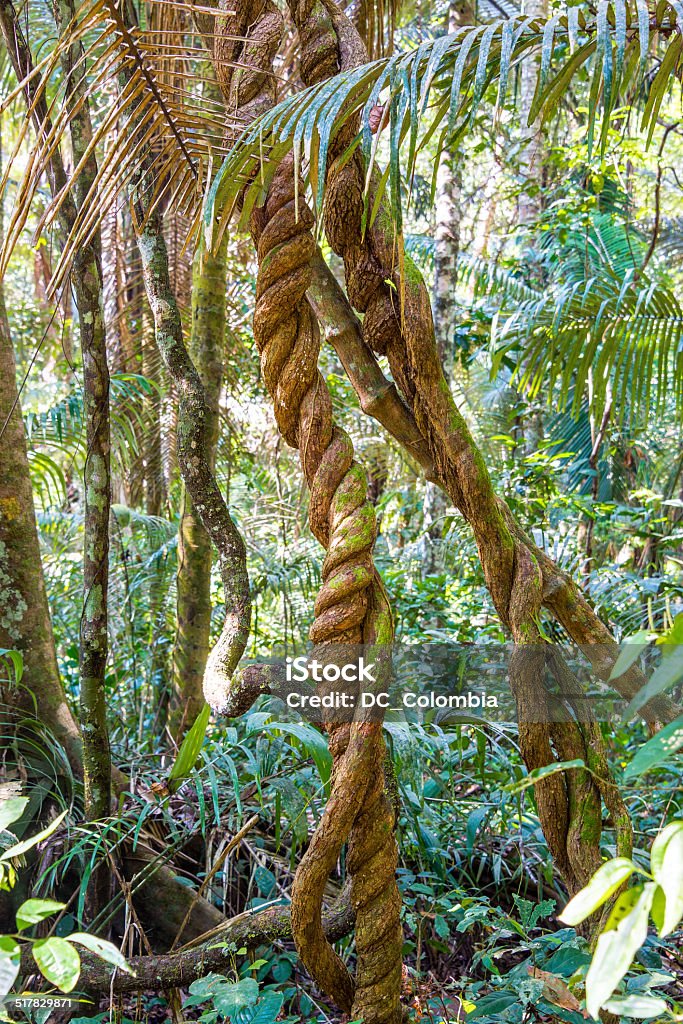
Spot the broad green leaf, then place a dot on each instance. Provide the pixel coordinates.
(493, 1005)
(10, 959)
(205, 987)
(190, 747)
(33, 911)
(11, 810)
(666, 865)
(667, 742)
(58, 961)
(640, 1007)
(28, 844)
(629, 652)
(228, 999)
(105, 950)
(602, 885)
(617, 947)
(663, 678)
(265, 1011)
(542, 773)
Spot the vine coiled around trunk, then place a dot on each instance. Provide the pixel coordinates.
(387, 288)
(351, 607)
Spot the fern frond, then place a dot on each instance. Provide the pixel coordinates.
(59, 433)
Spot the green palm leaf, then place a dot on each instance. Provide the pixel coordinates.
(436, 89)
(598, 320)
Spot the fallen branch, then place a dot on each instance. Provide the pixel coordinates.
(177, 970)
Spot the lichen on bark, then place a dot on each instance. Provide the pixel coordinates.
(194, 460)
(193, 604)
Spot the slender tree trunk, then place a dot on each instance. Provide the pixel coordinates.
(86, 276)
(444, 307)
(206, 348)
(598, 434)
(446, 249)
(155, 483)
(532, 154)
(198, 476)
(88, 288)
(532, 164)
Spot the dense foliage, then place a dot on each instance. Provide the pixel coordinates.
(526, 166)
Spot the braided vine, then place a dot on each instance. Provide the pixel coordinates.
(383, 285)
(351, 607)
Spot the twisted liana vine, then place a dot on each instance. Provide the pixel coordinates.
(384, 285)
(351, 607)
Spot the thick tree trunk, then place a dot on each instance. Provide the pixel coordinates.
(206, 349)
(25, 623)
(351, 607)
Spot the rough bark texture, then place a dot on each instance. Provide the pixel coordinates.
(179, 970)
(88, 288)
(531, 153)
(398, 323)
(155, 483)
(351, 607)
(193, 606)
(561, 594)
(448, 215)
(86, 277)
(378, 397)
(195, 465)
(191, 445)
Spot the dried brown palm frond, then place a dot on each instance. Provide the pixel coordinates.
(376, 22)
(166, 111)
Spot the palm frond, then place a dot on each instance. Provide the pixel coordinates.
(165, 109)
(436, 90)
(58, 433)
(598, 319)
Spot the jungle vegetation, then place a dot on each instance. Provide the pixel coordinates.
(344, 326)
